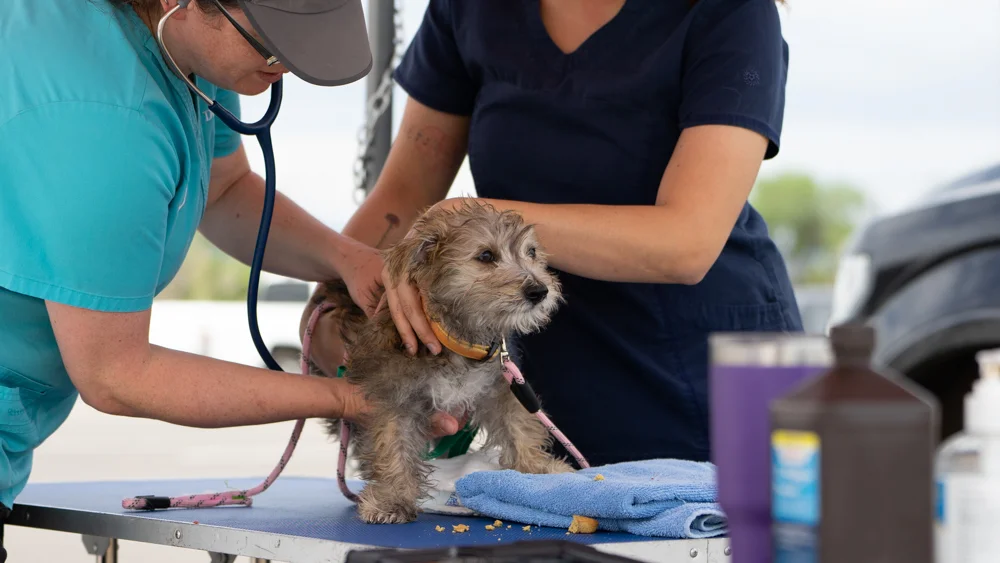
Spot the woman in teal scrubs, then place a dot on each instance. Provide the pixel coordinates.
(109, 165)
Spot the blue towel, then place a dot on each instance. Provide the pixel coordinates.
(660, 497)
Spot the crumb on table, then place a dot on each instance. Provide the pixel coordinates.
(598, 477)
(491, 527)
(527, 528)
(439, 528)
(459, 528)
(498, 523)
(582, 525)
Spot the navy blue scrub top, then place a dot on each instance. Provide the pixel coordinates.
(623, 367)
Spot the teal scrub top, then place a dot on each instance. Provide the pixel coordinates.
(104, 172)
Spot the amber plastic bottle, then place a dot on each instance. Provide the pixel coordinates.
(852, 463)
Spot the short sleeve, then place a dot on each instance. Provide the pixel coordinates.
(735, 68)
(226, 140)
(84, 205)
(432, 70)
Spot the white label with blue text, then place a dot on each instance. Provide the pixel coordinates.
(795, 495)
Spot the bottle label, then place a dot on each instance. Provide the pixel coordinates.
(939, 513)
(795, 495)
(943, 511)
(973, 526)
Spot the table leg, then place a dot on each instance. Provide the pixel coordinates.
(227, 558)
(105, 549)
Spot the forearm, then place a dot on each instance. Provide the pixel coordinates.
(417, 174)
(383, 219)
(421, 167)
(637, 244)
(298, 244)
(191, 390)
(675, 239)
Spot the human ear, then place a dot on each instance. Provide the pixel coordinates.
(167, 5)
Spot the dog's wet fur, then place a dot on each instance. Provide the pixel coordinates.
(482, 275)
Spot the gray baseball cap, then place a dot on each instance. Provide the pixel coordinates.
(324, 42)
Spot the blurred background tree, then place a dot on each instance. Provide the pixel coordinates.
(810, 222)
(208, 274)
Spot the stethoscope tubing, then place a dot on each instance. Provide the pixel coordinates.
(262, 130)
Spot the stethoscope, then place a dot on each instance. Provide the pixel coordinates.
(262, 130)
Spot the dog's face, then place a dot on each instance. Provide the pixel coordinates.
(482, 270)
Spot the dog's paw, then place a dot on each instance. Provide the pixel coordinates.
(376, 512)
(542, 464)
(552, 465)
(558, 466)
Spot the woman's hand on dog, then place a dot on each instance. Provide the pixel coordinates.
(364, 276)
(407, 311)
(355, 409)
(365, 280)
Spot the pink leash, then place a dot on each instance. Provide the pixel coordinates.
(245, 497)
(524, 394)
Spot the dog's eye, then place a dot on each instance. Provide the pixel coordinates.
(485, 256)
(531, 252)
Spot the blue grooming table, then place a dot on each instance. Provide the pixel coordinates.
(297, 520)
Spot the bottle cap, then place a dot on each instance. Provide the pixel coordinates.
(982, 405)
(853, 343)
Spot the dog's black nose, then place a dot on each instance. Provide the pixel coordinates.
(535, 293)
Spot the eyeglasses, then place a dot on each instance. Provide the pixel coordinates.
(271, 59)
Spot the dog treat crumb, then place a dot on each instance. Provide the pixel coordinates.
(498, 523)
(582, 525)
(491, 527)
(459, 528)
(508, 526)
(599, 477)
(527, 528)
(439, 528)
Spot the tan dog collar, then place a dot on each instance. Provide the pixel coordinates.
(469, 350)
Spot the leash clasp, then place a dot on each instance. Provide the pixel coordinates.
(154, 502)
(504, 354)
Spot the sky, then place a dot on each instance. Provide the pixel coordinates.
(892, 96)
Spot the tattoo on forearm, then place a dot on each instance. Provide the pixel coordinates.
(431, 141)
(393, 222)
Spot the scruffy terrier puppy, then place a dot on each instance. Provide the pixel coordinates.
(482, 277)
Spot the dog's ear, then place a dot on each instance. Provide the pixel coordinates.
(418, 248)
(425, 249)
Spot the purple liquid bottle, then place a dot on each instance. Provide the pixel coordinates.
(748, 371)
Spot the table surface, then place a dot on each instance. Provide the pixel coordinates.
(298, 520)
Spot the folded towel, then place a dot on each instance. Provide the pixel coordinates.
(659, 497)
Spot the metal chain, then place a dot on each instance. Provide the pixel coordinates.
(375, 106)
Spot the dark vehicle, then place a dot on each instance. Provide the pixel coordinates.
(928, 279)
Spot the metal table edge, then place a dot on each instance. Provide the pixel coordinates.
(200, 537)
(265, 545)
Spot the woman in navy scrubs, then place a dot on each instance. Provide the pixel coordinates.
(630, 133)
